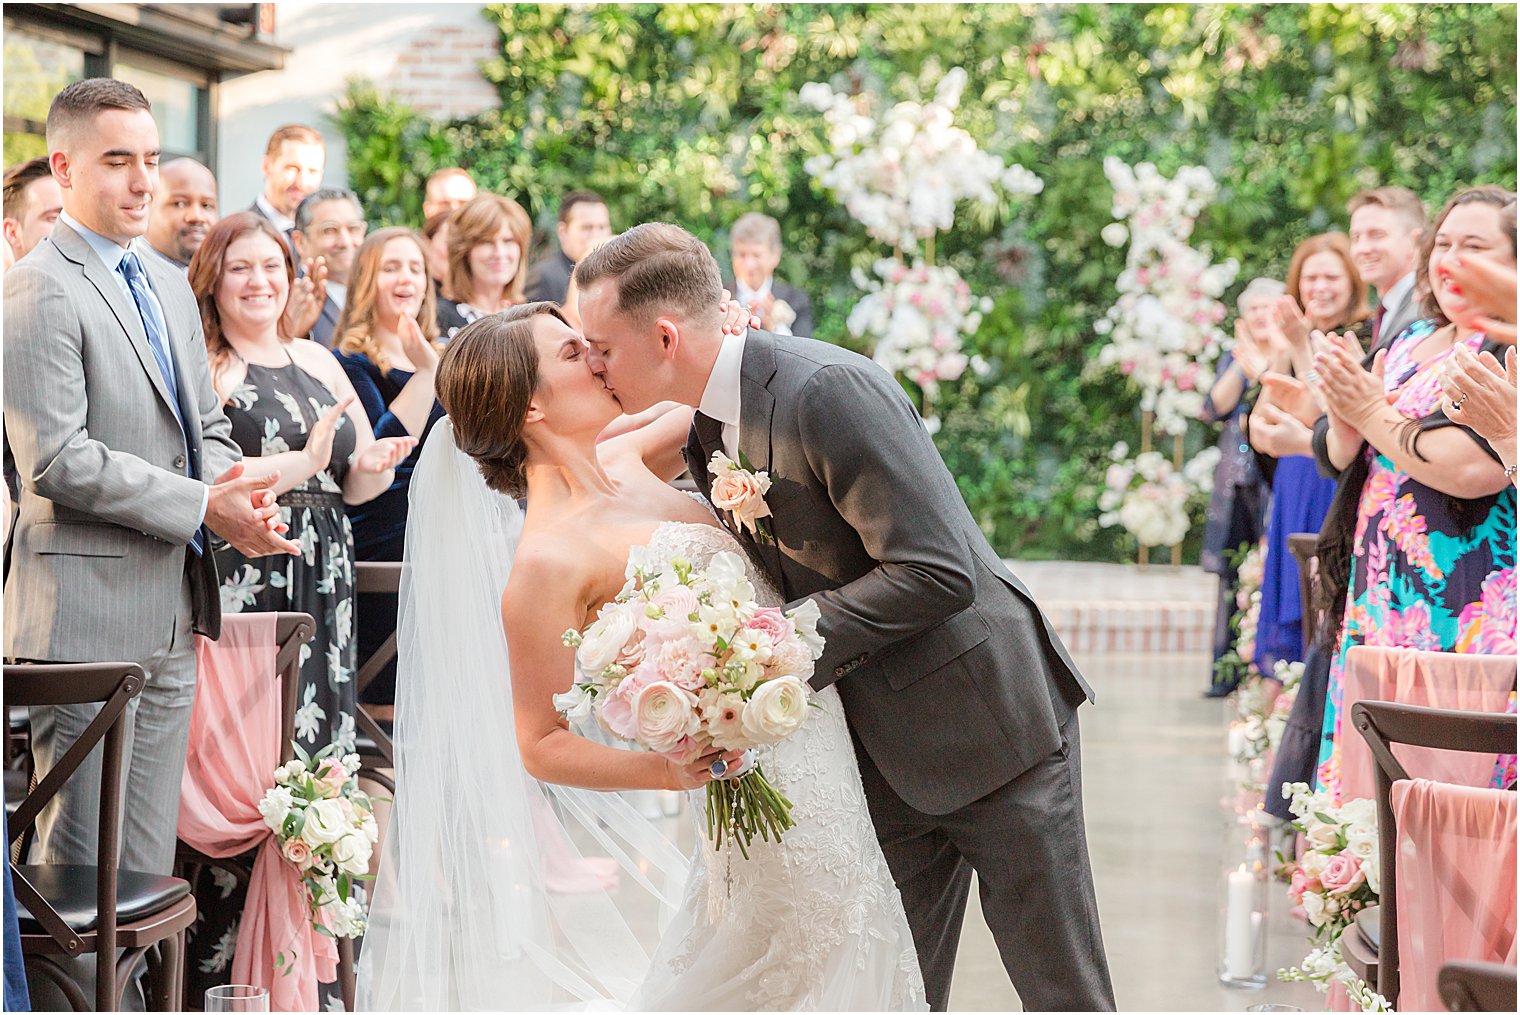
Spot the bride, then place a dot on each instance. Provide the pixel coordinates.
(485, 899)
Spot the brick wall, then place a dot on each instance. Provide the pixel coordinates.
(438, 71)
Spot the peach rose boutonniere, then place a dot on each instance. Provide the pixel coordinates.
(741, 492)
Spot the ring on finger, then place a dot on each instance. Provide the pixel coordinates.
(1458, 402)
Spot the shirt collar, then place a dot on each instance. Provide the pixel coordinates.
(284, 223)
(720, 399)
(109, 251)
(744, 294)
(1398, 292)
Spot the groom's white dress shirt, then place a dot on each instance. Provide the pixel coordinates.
(720, 399)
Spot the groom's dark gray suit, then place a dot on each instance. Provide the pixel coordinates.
(960, 696)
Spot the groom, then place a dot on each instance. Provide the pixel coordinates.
(960, 697)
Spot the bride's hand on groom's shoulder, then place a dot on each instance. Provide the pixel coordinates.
(737, 318)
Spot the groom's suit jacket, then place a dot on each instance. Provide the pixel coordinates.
(953, 681)
(108, 499)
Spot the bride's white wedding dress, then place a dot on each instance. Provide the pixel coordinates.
(473, 909)
(813, 923)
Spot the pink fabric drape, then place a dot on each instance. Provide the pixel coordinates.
(1465, 681)
(1456, 878)
(234, 749)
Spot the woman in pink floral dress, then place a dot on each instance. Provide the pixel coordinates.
(1432, 561)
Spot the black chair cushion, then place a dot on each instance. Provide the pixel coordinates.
(70, 889)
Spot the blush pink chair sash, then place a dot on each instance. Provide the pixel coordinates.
(1456, 882)
(234, 749)
(1465, 681)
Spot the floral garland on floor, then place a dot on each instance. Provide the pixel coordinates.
(1238, 665)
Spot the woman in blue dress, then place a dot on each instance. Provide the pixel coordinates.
(1325, 293)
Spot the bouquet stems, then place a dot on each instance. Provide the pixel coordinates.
(739, 809)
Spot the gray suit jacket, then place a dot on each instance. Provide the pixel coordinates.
(107, 503)
(953, 680)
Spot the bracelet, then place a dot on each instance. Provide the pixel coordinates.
(1509, 473)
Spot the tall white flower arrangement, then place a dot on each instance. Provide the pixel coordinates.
(901, 172)
(1164, 334)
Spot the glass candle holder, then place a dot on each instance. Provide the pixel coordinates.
(1243, 903)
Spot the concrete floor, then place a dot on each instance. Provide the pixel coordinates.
(1153, 777)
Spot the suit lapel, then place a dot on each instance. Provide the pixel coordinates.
(757, 406)
(74, 247)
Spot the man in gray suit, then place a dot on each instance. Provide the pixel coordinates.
(960, 697)
(115, 424)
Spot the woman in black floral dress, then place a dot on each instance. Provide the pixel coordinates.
(292, 411)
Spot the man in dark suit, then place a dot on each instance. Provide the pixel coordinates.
(293, 163)
(119, 437)
(755, 250)
(583, 223)
(1387, 225)
(329, 224)
(960, 696)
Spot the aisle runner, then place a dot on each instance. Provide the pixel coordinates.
(1101, 608)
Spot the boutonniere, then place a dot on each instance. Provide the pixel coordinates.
(741, 492)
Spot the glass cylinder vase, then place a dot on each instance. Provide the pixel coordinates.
(1244, 890)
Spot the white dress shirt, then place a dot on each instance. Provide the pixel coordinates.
(1396, 293)
(748, 296)
(720, 399)
(284, 223)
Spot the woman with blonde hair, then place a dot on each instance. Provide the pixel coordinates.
(488, 260)
(386, 343)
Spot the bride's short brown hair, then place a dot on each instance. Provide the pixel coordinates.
(487, 377)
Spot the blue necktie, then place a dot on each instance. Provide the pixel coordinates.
(158, 340)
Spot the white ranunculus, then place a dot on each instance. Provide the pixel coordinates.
(275, 807)
(325, 822)
(352, 853)
(606, 638)
(775, 710)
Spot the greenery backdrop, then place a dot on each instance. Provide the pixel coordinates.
(689, 113)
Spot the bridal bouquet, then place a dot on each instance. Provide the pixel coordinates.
(684, 660)
(1335, 879)
(326, 829)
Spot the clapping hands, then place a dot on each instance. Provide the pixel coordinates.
(384, 454)
(308, 294)
(1480, 392)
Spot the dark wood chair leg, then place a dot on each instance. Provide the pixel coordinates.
(346, 978)
(49, 966)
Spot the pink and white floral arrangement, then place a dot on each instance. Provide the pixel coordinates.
(1150, 497)
(685, 660)
(326, 829)
(919, 319)
(1334, 879)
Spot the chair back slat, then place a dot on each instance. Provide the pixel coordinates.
(378, 577)
(1383, 724)
(292, 630)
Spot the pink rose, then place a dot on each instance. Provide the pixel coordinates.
(297, 852)
(334, 777)
(1342, 874)
(739, 491)
(770, 620)
(1299, 884)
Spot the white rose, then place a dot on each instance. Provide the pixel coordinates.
(275, 807)
(606, 638)
(1314, 908)
(325, 823)
(1320, 834)
(1374, 874)
(352, 853)
(775, 710)
(664, 715)
(1314, 864)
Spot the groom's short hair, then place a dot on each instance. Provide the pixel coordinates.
(656, 266)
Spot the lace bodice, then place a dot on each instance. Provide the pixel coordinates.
(811, 923)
